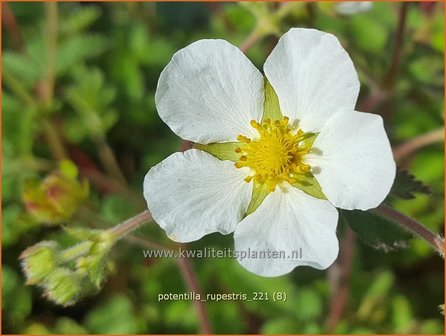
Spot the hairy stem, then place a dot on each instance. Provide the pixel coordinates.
(407, 148)
(131, 224)
(414, 227)
(145, 243)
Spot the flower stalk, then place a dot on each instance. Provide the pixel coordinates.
(130, 225)
(414, 227)
(411, 146)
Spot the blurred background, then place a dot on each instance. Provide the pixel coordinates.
(79, 81)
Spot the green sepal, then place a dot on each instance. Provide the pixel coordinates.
(38, 261)
(63, 286)
(259, 192)
(226, 151)
(271, 106)
(308, 184)
(309, 139)
(81, 234)
(222, 151)
(95, 267)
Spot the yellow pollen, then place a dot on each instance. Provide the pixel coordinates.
(276, 156)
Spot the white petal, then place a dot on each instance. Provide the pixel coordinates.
(353, 7)
(313, 77)
(209, 92)
(192, 194)
(288, 221)
(353, 160)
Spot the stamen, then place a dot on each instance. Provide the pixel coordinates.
(277, 156)
(242, 138)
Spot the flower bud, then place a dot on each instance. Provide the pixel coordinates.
(39, 261)
(95, 262)
(63, 286)
(57, 197)
(72, 273)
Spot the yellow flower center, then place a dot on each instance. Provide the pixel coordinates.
(276, 156)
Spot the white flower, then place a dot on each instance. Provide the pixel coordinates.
(298, 154)
(353, 7)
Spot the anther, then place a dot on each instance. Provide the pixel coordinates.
(255, 124)
(242, 138)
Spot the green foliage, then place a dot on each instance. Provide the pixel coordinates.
(376, 230)
(90, 98)
(115, 316)
(15, 298)
(405, 186)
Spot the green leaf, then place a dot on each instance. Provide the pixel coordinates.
(369, 34)
(402, 314)
(116, 208)
(76, 49)
(65, 325)
(308, 184)
(22, 67)
(116, 316)
(376, 293)
(222, 151)
(308, 305)
(271, 105)
(16, 298)
(376, 230)
(81, 19)
(91, 99)
(280, 325)
(164, 50)
(405, 185)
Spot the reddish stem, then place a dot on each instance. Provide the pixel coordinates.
(340, 298)
(189, 276)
